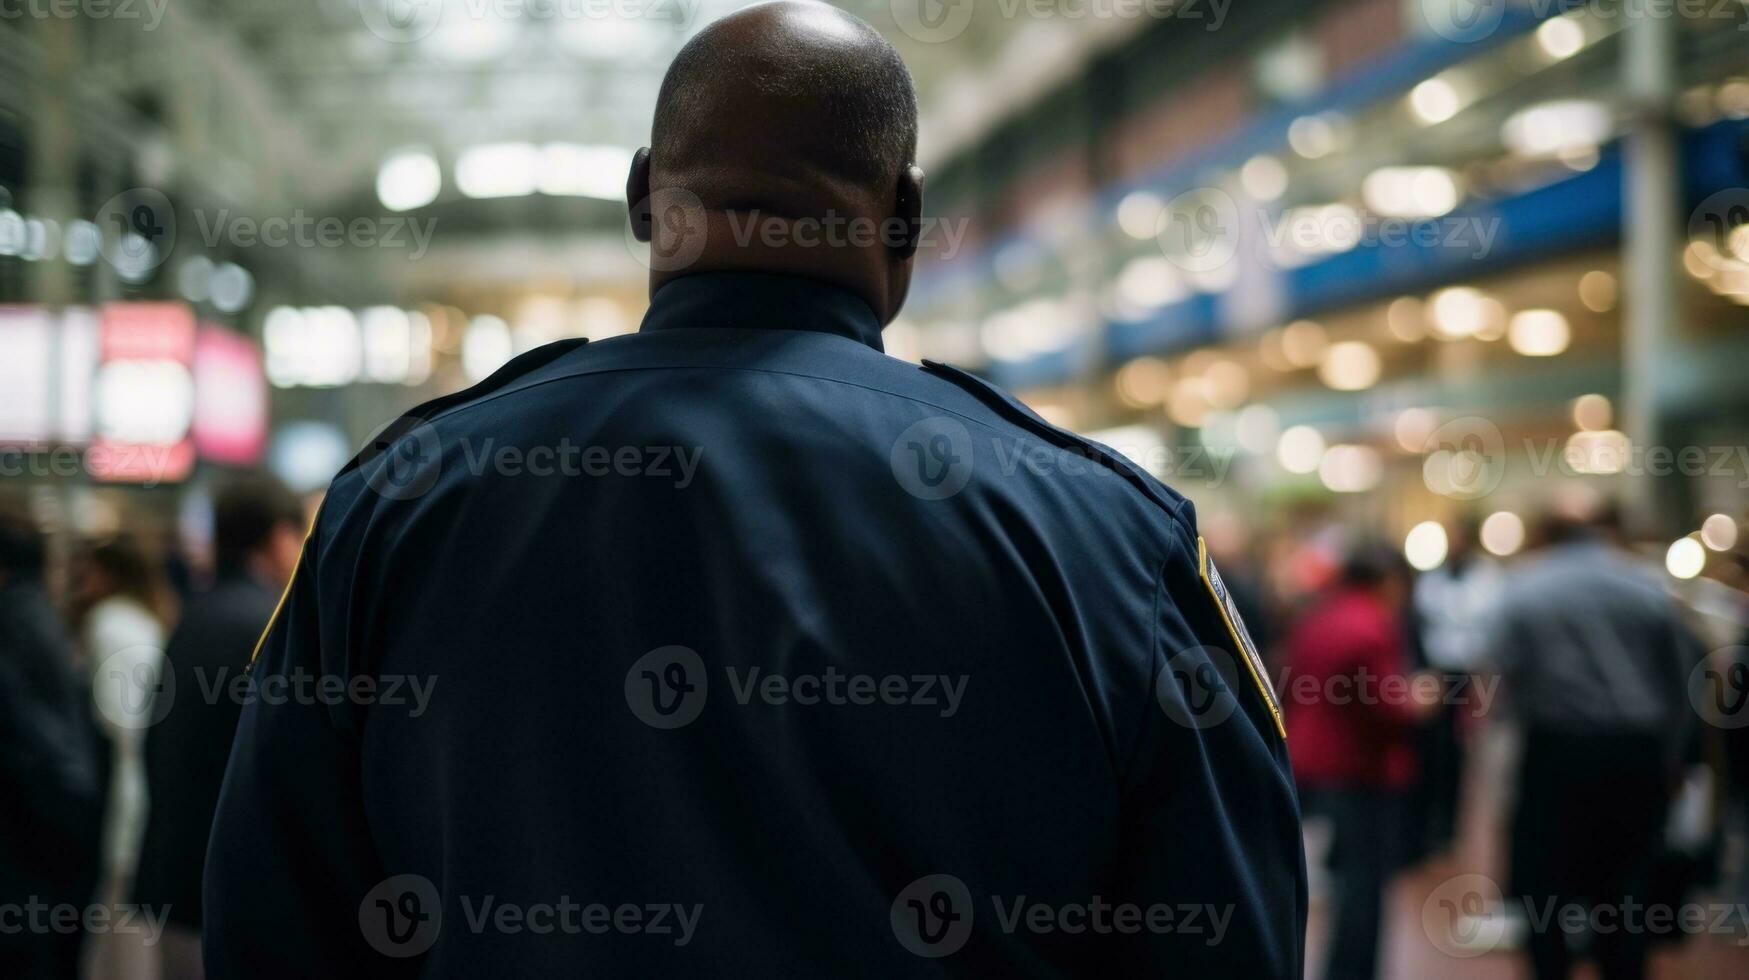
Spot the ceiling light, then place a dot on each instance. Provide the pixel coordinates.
(408, 180)
(498, 170)
(1435, 101)
(1539, 333)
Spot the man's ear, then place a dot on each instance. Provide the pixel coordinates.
(638, 194)
(908, 207)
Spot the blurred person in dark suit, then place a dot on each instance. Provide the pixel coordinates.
(1352, 707)
(257, 532)
(1595, 662)
(50, 784)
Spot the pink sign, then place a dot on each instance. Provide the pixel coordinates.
(230, 397)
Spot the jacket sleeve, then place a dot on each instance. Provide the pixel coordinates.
(291, 859)
(1212, 820)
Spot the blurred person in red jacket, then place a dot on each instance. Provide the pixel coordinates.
(1352, 707)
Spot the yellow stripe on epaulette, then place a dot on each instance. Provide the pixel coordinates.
(1247, 649)
(285, 593)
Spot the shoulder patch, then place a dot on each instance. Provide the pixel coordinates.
(1247, 648)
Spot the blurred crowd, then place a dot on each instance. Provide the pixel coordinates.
(116, 720)
(1558, 738)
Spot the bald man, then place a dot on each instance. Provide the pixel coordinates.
(736, 647)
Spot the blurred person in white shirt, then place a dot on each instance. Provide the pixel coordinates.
(1453, 605)
(120, 618)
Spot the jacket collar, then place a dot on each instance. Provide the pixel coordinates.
(762, 301)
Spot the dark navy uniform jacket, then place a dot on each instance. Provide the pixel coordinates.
(736, 647)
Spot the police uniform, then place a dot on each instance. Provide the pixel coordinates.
(735, 647)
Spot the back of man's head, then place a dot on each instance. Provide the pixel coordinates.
(784, 107)
(1371, 564)
(784, 142)
(250, 512)
(22, 548)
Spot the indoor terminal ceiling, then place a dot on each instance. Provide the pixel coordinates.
(302, 102)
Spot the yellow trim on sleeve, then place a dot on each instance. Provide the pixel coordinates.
(1242, 642)
(285, 593)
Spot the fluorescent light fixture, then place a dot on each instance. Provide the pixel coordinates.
(577, 170)
(408, 180)
(498, 170)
